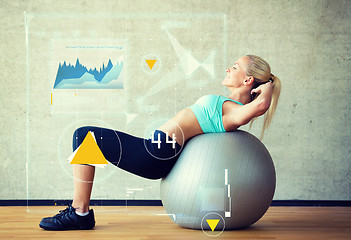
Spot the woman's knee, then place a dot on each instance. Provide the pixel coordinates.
(79, 135)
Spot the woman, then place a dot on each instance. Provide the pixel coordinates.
(254, 91)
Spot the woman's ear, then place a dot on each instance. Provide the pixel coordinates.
(249, 80)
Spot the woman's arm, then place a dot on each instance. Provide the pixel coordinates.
(243, 114)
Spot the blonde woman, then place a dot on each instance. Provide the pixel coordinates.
(254, 91)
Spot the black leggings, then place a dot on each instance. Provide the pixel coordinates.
(152, 159)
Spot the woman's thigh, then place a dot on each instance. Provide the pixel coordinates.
(133, 154)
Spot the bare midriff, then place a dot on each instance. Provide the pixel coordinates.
(184, 125)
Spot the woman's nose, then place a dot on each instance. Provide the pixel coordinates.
(228, 70)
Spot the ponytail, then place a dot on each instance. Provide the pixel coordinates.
(271, 110)
(261, 71)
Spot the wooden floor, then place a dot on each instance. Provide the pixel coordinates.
(145, 223)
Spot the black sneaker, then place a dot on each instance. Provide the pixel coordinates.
(68, 220)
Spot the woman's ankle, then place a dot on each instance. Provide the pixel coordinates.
(80, 207)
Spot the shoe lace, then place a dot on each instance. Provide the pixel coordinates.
(65, 212)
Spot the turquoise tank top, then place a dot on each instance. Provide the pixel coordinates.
(208, 112)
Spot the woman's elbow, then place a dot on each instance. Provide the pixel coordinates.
(263, 106)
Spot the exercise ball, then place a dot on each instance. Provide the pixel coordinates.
(225, 176)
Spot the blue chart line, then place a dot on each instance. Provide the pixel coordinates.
(79, 77)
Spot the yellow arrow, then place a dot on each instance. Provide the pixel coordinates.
(212, 223)
(89, 152)
(151, 63)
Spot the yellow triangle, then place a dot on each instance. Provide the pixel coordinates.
(212, 223)
(89, 152)
(151, 63)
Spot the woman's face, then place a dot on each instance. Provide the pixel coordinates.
(236, 75)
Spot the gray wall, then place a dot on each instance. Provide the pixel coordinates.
(307, 44)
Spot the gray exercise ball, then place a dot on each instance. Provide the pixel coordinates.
(225, 176)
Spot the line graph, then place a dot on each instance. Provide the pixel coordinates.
(79, 77)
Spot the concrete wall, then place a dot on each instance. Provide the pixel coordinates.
(307, 44)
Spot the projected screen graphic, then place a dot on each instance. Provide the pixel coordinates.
(88, 64)
(79, 77)
(188, 62)
(118, 71)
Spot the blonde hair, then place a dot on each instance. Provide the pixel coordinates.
(261, 71)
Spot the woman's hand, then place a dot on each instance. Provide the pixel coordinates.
(265, 88)
(257, 107)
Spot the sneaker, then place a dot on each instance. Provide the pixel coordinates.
(68, 220)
